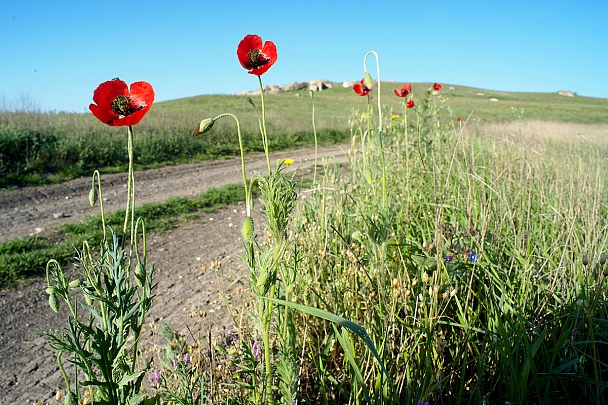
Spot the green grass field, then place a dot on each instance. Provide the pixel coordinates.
(39, 148)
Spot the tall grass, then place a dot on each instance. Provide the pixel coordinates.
(485, 281)
(482, 279)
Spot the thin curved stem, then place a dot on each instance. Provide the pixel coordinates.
(378, 74)
(243, 171)
(380, 126)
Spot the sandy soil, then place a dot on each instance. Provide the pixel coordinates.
(28, 368)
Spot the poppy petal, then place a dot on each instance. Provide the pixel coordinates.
(102, 114)
(142, 93)
(106, 92)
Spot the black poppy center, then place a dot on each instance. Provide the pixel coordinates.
(122, 105)
(257, 58)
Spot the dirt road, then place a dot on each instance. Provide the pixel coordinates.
(28, 368)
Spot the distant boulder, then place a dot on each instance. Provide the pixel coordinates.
(566, 93)
(348, 84)
(294, 86)
(314, 85)
(319, 84)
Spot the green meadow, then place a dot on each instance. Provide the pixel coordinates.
(450, 262)
(40, 148)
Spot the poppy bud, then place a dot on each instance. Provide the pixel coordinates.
(248, 227)
(368, 175)
(50, 290)
(204, 126)
(585, 260)
(140, 274)
(53, 303)
(93, 196)
(263, 281)
(602, 260)
(75, 283)
(88, 299)
(69, 399)
(367, 79)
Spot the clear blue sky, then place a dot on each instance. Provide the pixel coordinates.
(53, 54)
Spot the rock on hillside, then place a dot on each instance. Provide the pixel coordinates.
(567, 93)
(314, 85)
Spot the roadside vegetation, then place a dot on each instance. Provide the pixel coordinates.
(453, 261)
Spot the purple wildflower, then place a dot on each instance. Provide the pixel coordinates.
(174, 360)
(448, 259)
(187, 358)
(473, 257)
(155, 376)
(257, 350)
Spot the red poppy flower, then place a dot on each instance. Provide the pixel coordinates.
(255, 56)
(410, 104)
(459, 119)
(403, 90)
(117, 105)
(361, 89)
(436, 87)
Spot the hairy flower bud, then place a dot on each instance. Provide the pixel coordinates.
(204, 127)
(69, 399)
(53, 303)
(368, 175)
(367, 79)
(248, 227)
(50, 290)
(75, 283)
(93, 196)
(140, 274)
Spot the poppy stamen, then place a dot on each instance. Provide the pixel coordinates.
(122, 106)
(257, 58)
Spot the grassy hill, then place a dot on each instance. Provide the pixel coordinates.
(38, 148)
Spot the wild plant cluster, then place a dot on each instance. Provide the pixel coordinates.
(439, 266)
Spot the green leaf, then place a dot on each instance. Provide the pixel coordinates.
(127, 378)
(353, 327)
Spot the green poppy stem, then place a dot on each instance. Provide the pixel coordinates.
(314, 131)
(243, 171)
(130, 211)
(264, 131)
(103, 219)
(380, 126)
